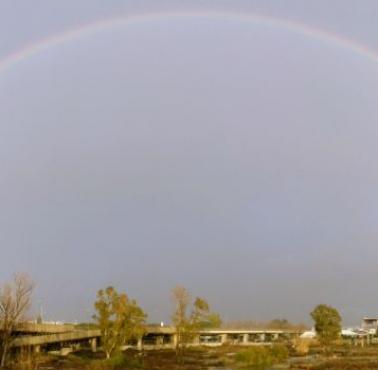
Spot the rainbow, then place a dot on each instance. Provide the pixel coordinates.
(29, 50)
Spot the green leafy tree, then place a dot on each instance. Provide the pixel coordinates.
(199, 313)
(213, 321)
(327, 323)
(200, 317)
(119, 318)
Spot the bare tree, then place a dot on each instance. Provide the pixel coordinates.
(15, 301)
(181, 299)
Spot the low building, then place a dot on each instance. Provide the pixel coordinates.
(370, 324)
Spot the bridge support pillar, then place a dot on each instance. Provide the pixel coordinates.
(223, 338)
(93, 343)
(196, 340)
(245, 338)
(140, 344)
(37, 349)
(160, 341)
(174, 340)
(368, 340)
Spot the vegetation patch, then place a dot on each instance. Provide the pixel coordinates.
(261, 357)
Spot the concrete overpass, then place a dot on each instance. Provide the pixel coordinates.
(39, 337)
(72, 339)
(35, 337)
(45, 328)
(167, 337)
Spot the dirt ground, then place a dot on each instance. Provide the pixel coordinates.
(342, 358)
(152, 360)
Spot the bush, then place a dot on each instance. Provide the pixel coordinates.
(279, 353)
(261, 357)
(257, 357)
(302, 346)
(117, 362)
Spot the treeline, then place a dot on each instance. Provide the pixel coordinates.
(278, 324)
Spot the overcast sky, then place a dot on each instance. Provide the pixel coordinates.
(236, 158)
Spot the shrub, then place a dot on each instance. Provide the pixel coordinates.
(261, 357)
(117, 362)
(256, 357)
(302, 345)
(279, 353)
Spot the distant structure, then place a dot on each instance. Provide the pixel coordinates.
(309, 334)
(370, 324)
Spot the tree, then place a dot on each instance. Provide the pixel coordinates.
(202, 318)
(279, 324)
(327, 323)
(15, 301)
(188, 325)
(200, 311)
(119, 318)
(181, 299)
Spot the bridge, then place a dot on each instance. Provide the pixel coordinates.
(166, 337)
(67, 338)
(45, 328)
(54, 337)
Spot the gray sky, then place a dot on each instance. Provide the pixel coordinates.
(235, 158)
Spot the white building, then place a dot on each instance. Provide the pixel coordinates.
(370, 324)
